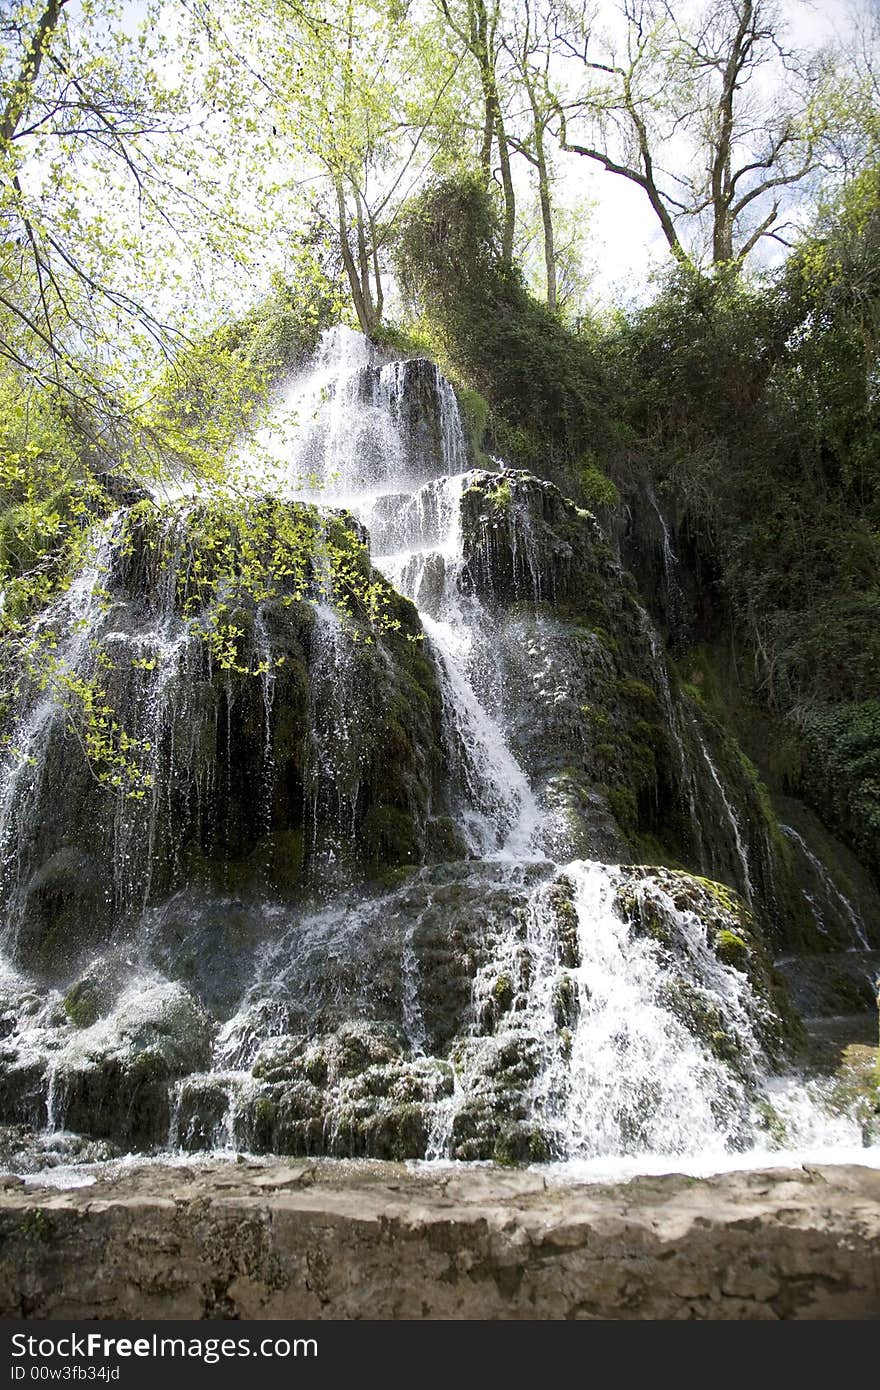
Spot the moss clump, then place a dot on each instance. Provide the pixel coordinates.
(725, 897)
(500, 496)
(561, 900)
(502, 993)
(624, 807)
(597, 490)
(696, 1010)
(475, 413)
(521, 1143)
(84, 1003)
(645, 915)
(770, 1122)
(856, 1088)
(643, 901)
(565, 1002)
(732, 950)
(390, 839)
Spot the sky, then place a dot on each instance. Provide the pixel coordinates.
(626, 242)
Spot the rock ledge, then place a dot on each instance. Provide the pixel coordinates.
(379, 1240)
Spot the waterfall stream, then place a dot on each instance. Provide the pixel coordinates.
(593, 979)
(832, 893)
(632, 1078)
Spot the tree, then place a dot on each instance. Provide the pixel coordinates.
(722, 91)
(850, 110)
(72, 106)
(477, 25)
(530, 49)
(354, 103)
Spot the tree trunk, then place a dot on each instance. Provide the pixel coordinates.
(364, 261)
(362, 304)
(543, 187)
(722, 237)
(488, 137)
(547, 221)
(721, 187)
(506, 184)
(30, 70)
(377, 270)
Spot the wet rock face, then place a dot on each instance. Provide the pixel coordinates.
(832, 984)
(524, 540)
(629, 761)
(113, 1080)
(586, 694)
(434, 1019)
(657, 903)
(255, 783)
(342, 1051)
(360, 1063)
(578, 671)
(332, 920)
(416, 395)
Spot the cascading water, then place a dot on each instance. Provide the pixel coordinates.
(675, 598)
(632, 1078)
(730, 815)
(588, 1011)
(833, 895)
(360, 439)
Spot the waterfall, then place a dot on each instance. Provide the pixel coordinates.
(832, 893)
(674, 723)
(638, 1081)
(729, 812)
(501, 813)
(589, 1009)
(333, 759)
(675, 599)
(632, 1077)
(68, 625)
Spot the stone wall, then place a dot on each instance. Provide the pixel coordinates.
(341, 1240)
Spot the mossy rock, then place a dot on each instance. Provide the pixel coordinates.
(390, 838)
(521, 1143)
(856, 1089)
(85, 1002)
(731, 932)
(732, 949)
(565, 1003)
(560, 897)
(502, 993)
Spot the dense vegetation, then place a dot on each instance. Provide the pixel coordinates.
(751, 406)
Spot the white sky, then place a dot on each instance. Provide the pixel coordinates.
(626, 240)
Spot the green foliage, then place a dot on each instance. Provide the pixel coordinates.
(55, 493)
(846, 741)
(758, 409)
(475, 414)
(732, 949)
(243, 552)
(544, 383)
(597, 490)
(500, 496)
(402, 340)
